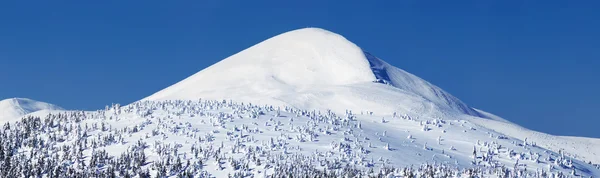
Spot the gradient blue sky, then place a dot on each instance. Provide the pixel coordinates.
(532, 62)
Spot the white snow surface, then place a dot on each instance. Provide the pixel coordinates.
(312, 68)
(582, 148)
(13, 108)
(381, 116)
(316, 69)
(267, 138)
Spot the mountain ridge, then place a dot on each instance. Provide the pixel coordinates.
(14, 108)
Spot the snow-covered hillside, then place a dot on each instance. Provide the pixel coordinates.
(307, 102)
(223, 138)
(586, 149)
(14, 108)
(313, 68)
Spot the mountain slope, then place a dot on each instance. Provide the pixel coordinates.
(586, 149)
(313, 68)
(14, 108)
(306, 102)
(217, 139)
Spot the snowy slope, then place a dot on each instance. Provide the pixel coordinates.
(306, 102)
(587, 149)
(14, 108)
(313, 68)
(217, 139)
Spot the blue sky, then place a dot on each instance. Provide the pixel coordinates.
(532, 62)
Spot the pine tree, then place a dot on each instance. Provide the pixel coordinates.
(1, 150)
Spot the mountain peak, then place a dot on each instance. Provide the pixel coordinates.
(301, 58)
(14, 108)
(312, 68)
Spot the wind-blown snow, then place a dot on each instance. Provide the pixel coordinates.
(14, 108)
(411, 83)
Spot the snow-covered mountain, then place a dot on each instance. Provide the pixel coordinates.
(304, 103)
(313, 68)
(14, 108)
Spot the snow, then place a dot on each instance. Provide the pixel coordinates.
(313, 68)
(229, 133)
(14, 108)
(587, 149)
(304, 101)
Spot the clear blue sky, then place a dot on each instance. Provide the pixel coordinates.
(532, 62)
